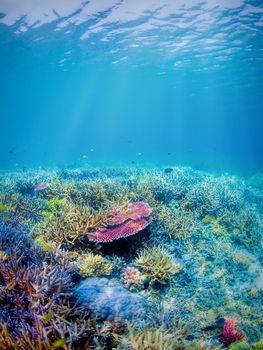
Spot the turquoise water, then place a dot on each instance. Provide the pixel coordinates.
(147, 82)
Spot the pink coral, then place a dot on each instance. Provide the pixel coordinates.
(132, 277)
(123, 223)
(230, 333)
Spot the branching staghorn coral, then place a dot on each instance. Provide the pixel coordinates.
(68, 223)
(215, 194)
(177, 222)
(211, 217)
(158, 264)
(160, 338)
(37, 310)
(151, 339)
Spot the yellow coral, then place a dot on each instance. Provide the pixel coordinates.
(253, 292)
(93, 265)
(160, 338)
(3, 256)
(158, 264)
(241, 258)
(152, 339)
(215, 223)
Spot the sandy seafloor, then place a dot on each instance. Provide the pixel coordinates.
(198, 263)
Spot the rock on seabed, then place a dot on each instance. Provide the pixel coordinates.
(107, 299)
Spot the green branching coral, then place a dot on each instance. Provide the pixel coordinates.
(244, 345)
(158, 264)
(258, 345)
(55, 203)
(93, 265)
(240, 345)
(3, 207)
(47, 246)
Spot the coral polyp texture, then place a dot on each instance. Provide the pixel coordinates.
(123, 223)
(132, 277)
(171, 286)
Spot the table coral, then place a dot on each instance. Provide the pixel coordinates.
(123, 223)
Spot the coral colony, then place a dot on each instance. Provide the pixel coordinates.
(123, 223)
(125, 258)
(230, 333)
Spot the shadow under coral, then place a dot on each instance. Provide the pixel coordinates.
(127, 247)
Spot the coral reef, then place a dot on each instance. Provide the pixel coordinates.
(201, 259)
(157, 337)
(36, 310)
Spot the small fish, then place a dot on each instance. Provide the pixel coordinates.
(132, 162)
(169, 153)
(59, 343)
(11, 151)
(41, 186)
(98, 246)
(219, 323)
(85, 157)
(146, 283)
(49, 316)
(168, 170)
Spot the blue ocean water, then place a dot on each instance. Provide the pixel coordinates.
(128, 81)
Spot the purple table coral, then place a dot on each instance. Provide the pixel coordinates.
(123, 223)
